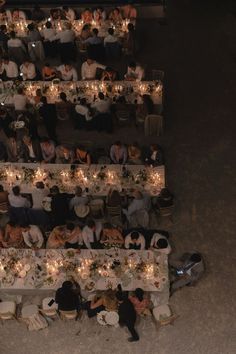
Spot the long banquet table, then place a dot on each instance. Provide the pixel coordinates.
(26, 269)
(95, 179)
(89, 89)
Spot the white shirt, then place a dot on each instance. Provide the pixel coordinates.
(31, 151)
(78, 201)
(70, 14)
(137, 74)
(135, 205)
(70, 75)
(48, 33)
(154, 240)
(140, 241)
(28, 72)
(110, 39)
(19, 102)
(88, 237)
(17, 201)
(21, 16)
(11, 70)
(84, 111)
(38, 195)
(102, 106)
(15, 43)
(65, 36)
(33, 237)
(89, 71)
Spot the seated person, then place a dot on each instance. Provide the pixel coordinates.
(141, 303)
(11, 68)
(78, 199)
(48, 73)
(32, 235)
(87, 16)
(48, 150)
(145, 107)
(59, 206)
(20, 100)
(89, 69)
(111, 236)
(135, 241)
(85, 32)
(66, 72)
(134, 73)
(99, 14)
(113, 198)
(95, 39)
(91, 234)
(69, 13)
(138, 203)
(160, 243)
(82, 156)
(16, 200)
(64, 154)
(39, 192)
(67, 298)
(55, 239)
(13, 236)
(27, 70)
(4, 203)
(115, 16)
(72, 236)
(107, 301)
(37, 98)
(84, 113)
(31, 151)
(134, 154)
(154, 156)
(165, 199)
(118, 153)
(110, 38)
(63, 107)
(109, 75)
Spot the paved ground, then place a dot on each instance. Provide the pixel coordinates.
(197, 51)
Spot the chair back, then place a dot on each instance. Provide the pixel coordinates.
(68, 315)
(153, 125)
(7, 310)
(166, 211)
(96, 208)
(157, 75)
(36, 51)
(123, 116)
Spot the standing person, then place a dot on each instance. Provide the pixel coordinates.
(49, 114)
(60, 206)
(127, 315)
(66, 39)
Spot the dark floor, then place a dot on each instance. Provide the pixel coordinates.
(198, 53)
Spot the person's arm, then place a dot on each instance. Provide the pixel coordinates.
(152, 241)
(100, 66)
(88, 159)
(83, 71)
(142, 243)
(127, 241)
(112, 155)
(15, 71)
(40, 237)
(85, 239)
(94, 304)
(26, 239)
(74, 75)
(124, 155)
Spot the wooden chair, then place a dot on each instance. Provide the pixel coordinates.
(7, 310)
(153, 125)
(68, 315)
(166, 212)
(114, 214)
(97, 208)
(163, 315)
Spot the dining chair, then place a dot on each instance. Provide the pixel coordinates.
(166, 212)
(68, 315)
(97, 208)
(163, 315)
(7, 310)
(50, 311)
(153, 125)
(114, 214)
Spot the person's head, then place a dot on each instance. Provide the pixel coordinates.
(154, 147)
(101, 95)
(68, 66)
(12, 34)
(16, 191)
(5, 59)
(114, 196)
(165, 194)
(39, 185)
(27, 140)
(70, 226)
(139, 294)
(43, 100)
(38, 92)
(3, 28)
(20, 91)
(67, 285)
(195, 257)
(30, 27)
(1, 188)
(111, 31)
(91, 224)
(63, 96)
(116, 12)
(90, 61)
(134, 235)
(162, 243)
(45, 141)
(134, 145)
(54, 190)
(83, 101)
(15, 12)
(86, 27)
(26, 62)
(48, 24)
(80, 148)
(3, 113)
(65, 8)
(78, 191)
(120, 296)
(130, 27)
(132, 65)
(95, 32)
(117, 143)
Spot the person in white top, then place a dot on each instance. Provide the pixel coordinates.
(160, 243)
(83, 109)
(89, 68)
(10, 68)
(67, 72)
(102, 104)
(16, 200)
(138, 203)
(32, 236)
(69, 13)
(48, 33)
(91, 234)
(15, 42)
(78, 199)
(18, 15)
(64, 36)
(135, 241)
(38, 194)
(110, 38)
(20, 100)
(27, 70)
(134, 73)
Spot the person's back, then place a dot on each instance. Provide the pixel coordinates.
(66, 298)
(126, 311)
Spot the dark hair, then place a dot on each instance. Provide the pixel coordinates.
(118, 143)
(13, 34)
(66, 285)
(91, 223)
(165, 193)
(66, 8)
(110, 31)
(3, 28)
(120, 296)
(63, 96)
(24, 225)
(43, 99)
(101, 95)
(16, 190)
(83, 101)
(130, 27)
(95, 31)
(1, 188)
(195, 257)
(39, 185)
(48, 24)
(132, 64)
(139, 294)
(5, 57)
(30, 27)
(162, 243)
(134, 235)
(70, 226)
(55, 190)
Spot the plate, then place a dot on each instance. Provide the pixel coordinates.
(90, 285)
(101, 318)
(19, 124)
(112, 318)
(27, 267)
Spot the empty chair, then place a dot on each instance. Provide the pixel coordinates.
(114, 214)
(123, 116)
(68, 315)
(163, 315)
(34, 321)
(49, 308)
(97, 208)
(153, 125)
(7, 310)
(157, 75)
